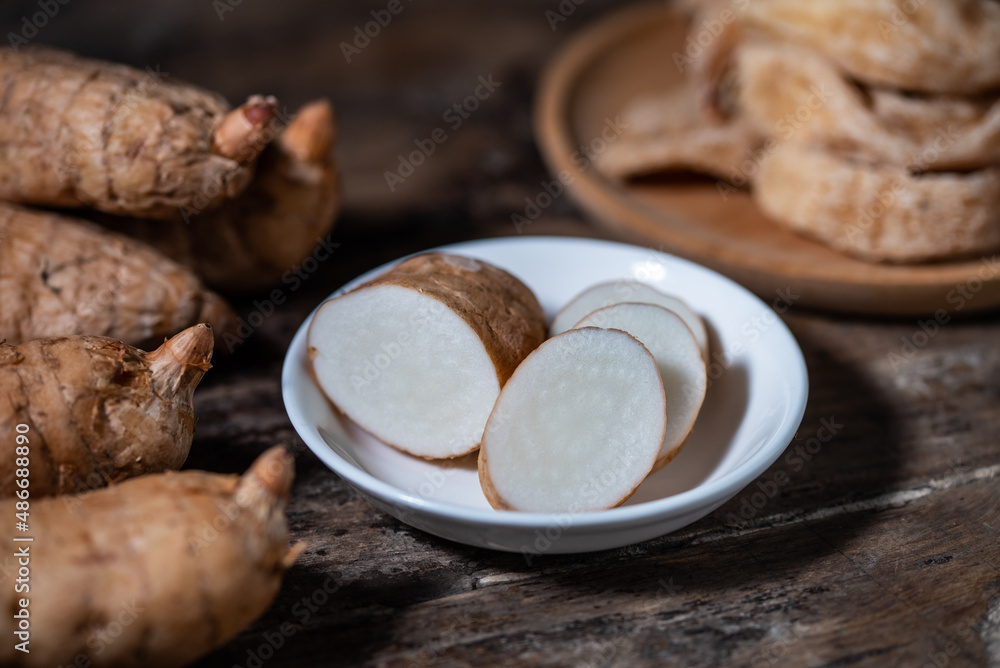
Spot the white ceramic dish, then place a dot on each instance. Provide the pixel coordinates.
(755, 402)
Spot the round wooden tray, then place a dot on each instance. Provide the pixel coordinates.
(630, 52)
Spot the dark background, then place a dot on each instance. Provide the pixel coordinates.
(395, 91)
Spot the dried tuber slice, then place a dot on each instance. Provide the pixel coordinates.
(922, 133)
(948, 46)
(880, 211)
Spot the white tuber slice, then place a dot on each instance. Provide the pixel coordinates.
(417, 356)
(678, 357)
(577, 427)
(388, 357)
(619, 292)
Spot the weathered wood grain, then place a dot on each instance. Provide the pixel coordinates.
(881, 549)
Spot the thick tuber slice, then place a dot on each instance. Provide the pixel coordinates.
(577, 427)
(619, 292)
(678, 357)
(417, 356)
(76, 132)
(97, 410)
(60, 276)
(153, 572)
(256, 239)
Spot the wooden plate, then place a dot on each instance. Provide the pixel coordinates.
(629, 53)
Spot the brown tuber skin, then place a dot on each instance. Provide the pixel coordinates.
(98, 411)
(60, 276)
(252, 241)
(433, 404)
(153, 572)
(76, 132)
(502, 310)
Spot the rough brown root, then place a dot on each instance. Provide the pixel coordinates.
(76, 132)
(60, 276)
(282, 218)
(97, 410)
(153, 572)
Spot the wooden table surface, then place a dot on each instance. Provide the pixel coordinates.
(880, 550)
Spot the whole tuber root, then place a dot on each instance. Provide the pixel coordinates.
(252, 241)
(153, 572)
(59, 276)
(76, 132)
(98, 411)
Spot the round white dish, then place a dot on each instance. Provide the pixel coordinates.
(757, 393)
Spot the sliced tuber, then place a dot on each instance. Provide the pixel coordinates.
(417, 356)
(577, 427)
(619, 292)
(153, 572)
(97, 410)
(678, 357)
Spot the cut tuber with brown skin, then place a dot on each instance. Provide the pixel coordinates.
(60, 276)
(418, 355)
(76, 132)
(96, 410)
(153, 572)
(256, 239)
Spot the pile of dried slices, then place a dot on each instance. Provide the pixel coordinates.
(872, 126)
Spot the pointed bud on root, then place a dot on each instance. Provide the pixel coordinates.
(269, 478)
(264, 490)
(293, 553)
(246, 130)
(179, 364)
(309, 137)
